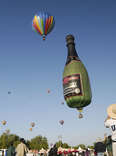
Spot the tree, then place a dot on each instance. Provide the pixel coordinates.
(75, 147)
(91, 147)
(28, 144)
(6, 139)
(3, 141)
(59, 144)
(82, 146)
(13, 138)
(39, 142)
(63, 145)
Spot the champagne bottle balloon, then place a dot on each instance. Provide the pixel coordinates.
(76, 84)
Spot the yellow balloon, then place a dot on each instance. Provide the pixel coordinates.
(4, 122)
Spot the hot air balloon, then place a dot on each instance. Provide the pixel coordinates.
(61, 122)
(60, 137)
(43, 23)
(51, 144)
(32, 124)
(62, 103)
(9, 92)
(7, 131)
(30, 129)
(76, 84)
(4, 122)
(48, 91)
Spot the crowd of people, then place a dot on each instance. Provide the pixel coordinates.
(20, 150)
(106, 147)
(101, 148)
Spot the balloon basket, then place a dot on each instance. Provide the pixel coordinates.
(80, 113)
(44, 38)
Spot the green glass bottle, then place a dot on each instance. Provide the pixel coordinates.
(76, 85)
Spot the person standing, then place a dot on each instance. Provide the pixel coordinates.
(21, 148)
(99, 147)
(87, 153)
(53, 151)
(110, 122)
(2, 152)
(11, 150)
(108, 142)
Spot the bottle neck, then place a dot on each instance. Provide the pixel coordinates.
(72, 54)
(72, 50)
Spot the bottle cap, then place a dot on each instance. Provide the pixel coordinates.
(70, 39)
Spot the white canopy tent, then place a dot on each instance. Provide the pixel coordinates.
(80, 149)
(42, 150)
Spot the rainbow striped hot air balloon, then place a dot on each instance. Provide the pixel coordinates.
(43, 23)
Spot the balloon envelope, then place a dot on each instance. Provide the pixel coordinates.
(48, 90)
(32, 124)
(61, 122)
(43, 23)
(30, 129)
(4, 122)
(76, 84)
(62, 103)
(7, 131)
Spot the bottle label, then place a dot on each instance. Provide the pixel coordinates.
(72, 85)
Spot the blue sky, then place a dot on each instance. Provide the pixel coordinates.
(29, 67)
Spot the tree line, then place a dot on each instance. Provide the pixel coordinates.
(35, 143)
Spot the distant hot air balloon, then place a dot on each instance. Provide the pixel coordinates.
(51, 144)
(9, 92)
(30, 129)
(48, 90)
(61, 122)
(60, 137)
(62, 103)
(3, 122)
(32, 124)
(7, 131)
(43, 23)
